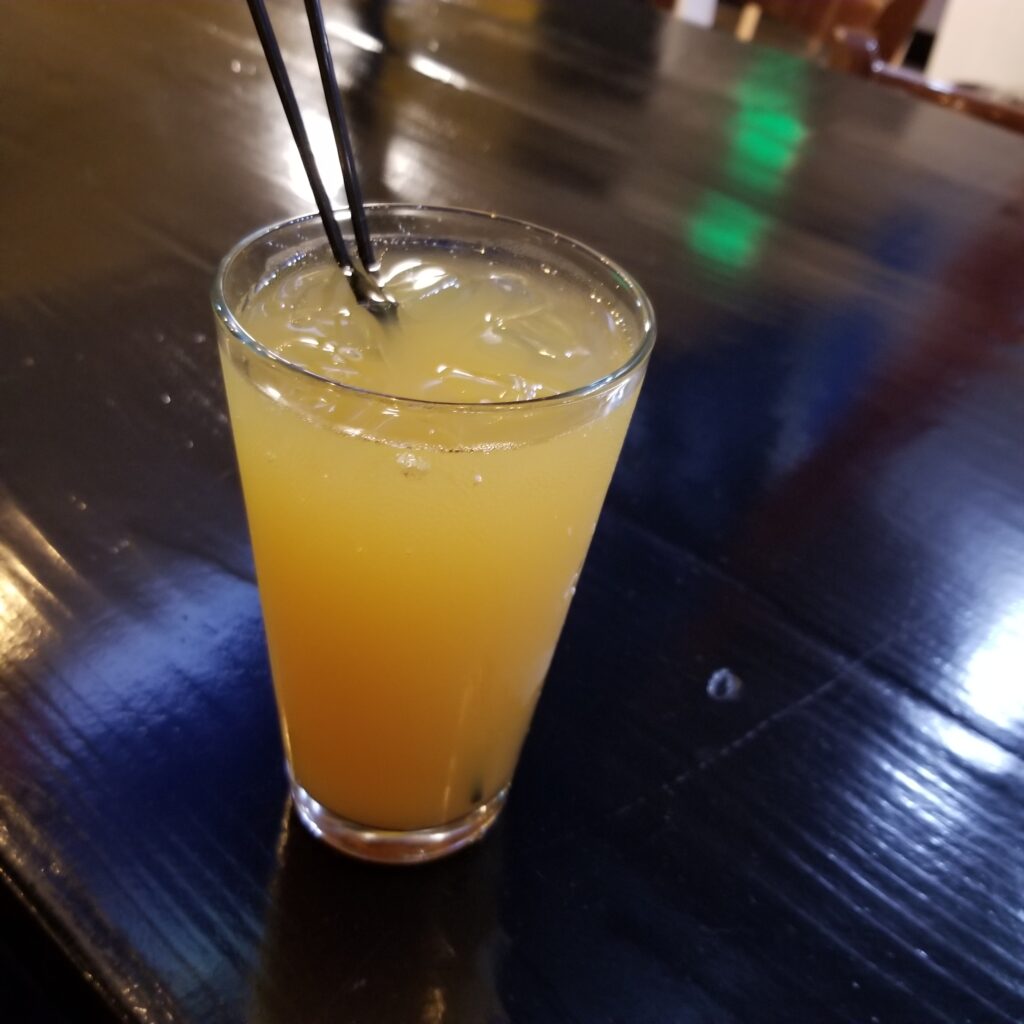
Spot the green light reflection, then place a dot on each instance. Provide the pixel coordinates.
(764, 145)
(726, 230)
(765, 136)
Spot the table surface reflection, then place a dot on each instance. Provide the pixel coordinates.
(821, 494)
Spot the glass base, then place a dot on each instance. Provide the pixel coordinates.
(386, 846)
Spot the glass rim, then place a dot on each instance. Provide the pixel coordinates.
(225, 314)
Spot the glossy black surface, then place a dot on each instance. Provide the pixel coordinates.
(822, 492)
(38, 982)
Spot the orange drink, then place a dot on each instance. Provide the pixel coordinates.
(421, 495)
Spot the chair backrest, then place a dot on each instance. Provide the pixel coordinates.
(894, 27)
(858, 52)
(891, 21)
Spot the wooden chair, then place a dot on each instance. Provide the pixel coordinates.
(859, 53)
(890, 21)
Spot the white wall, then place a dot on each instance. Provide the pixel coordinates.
(697, 12)
(981, 41)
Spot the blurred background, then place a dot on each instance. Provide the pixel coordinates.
(974, 45)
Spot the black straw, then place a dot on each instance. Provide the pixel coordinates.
(342, 139)
(365, 288)
(291, 111)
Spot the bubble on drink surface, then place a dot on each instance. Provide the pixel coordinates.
(413, 463)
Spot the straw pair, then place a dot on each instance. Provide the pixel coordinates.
(366, 289)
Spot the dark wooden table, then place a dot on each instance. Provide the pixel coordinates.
(822, 493)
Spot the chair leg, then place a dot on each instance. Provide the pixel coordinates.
(824, 30)
(746, 26)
